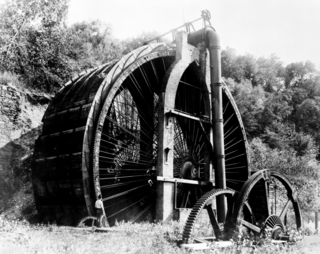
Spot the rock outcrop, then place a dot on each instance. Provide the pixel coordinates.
(20, 124)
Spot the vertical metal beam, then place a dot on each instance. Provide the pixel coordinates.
(165, 190)
(185, 54)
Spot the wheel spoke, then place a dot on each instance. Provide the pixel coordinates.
(285, 210)
(250, 226)
(185, 196)
(266, 186)
(275, 189)
(213, 221)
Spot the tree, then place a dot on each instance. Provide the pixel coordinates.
(250, 102)
(137, 41)
(302, 171)
(236, 67)
(295, 73)
(33, 41)
(270, 73)
(91, 44)
(228, 57)
(308, 115)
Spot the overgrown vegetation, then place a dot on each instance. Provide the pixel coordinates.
(280, 112)
(148, 238)
(39, 48)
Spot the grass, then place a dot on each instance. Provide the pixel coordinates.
(143, 238)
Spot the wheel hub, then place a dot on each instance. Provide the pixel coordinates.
(277, 227)
(277, 232)
(188, 170)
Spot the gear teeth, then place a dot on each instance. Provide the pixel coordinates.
(196, 210)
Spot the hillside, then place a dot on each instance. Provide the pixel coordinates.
(21, 112)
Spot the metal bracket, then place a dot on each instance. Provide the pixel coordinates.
(205, 16)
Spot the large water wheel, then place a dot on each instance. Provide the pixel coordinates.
(100, 135)
(153, 132)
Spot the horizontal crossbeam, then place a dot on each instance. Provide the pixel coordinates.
(179, 180)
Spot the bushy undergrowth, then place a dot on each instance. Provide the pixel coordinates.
(11, 79)
(22, 237)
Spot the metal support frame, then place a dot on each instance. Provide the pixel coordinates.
(188, 26)
(165, 156)
(185, 54)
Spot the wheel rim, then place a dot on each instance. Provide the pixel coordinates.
(273, 203)
(191, 139)
(88, 221)
(125, 142)
(236, 147)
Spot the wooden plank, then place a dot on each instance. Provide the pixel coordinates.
(251, 226)
(95, 229)
(196, 246)
(206, 246)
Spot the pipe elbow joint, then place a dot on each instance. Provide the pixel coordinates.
(213, 39)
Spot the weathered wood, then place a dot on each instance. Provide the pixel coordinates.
(93, 229)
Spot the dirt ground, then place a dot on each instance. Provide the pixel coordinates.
(310, 245)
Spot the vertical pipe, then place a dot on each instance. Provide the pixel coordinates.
(213, 45)
(217, 113)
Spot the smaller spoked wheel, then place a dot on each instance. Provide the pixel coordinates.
(91, 221)
(202, 225)
(267, 205)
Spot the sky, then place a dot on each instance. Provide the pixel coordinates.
(289, 29)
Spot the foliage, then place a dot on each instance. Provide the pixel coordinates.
(270, 73)
(295, 73)
(22, 237)
(301, 169)
(33, 41)
(276, 103)
(236, 67)
(250, 101)
(10, 79)
(132, 43)
(91, 44)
